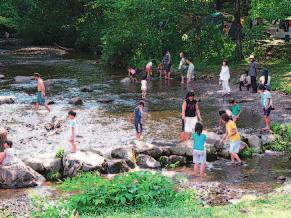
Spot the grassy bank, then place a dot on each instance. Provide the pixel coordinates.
(145, 194)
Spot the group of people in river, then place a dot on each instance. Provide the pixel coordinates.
(192, 123)
(192, 127)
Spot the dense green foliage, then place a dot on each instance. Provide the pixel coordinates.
(283, 138)
(136, 31)
(96, 195)
(247, 152)
(60, 153)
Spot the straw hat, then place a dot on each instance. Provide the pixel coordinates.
(251, 57)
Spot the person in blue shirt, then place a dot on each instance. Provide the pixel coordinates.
(267, 107)
(138, 115)
(199, 152)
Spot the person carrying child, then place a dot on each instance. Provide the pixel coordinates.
(138, 115)
(72, 130)
(199, 151)
(235, 110)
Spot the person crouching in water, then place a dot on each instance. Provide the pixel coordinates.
(199, 152)
(144, 87)
(233, 136)
(132, 74)
(72, 130)
(7, 156)
(138, 115)
(190, 112)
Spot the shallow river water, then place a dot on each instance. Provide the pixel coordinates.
(103, 126)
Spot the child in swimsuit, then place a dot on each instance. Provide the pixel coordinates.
(144, 87)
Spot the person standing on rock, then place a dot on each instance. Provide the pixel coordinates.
(253, 73)
(199, 152)
(40, 99)
(233, 136)
(72, 130)
(266, 105)
(190, 112)
(224, 77)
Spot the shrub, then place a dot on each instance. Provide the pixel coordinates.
(53, 175)
(247, 152)
(60, 153)
(96, 195)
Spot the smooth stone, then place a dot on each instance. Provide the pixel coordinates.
(76, 101)
(145, 161)
(123, 153)
(23, 79)
(154, 152)
(125, 80)
(115, 166)
(105, 101)
(2, 76)
(7, 100)
(86, 89)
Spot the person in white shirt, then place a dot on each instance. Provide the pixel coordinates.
(72, 130)
(190, 73)
(182, 67)
(144, 87)
(149, 69)
(7, 156)
(224, 77)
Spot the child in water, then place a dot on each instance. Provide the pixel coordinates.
(72, 130)
(235, 110)
(144, 87)
(199, 152)
(138, 115)
(7, 156)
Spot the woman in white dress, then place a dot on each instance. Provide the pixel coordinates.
(224, 77)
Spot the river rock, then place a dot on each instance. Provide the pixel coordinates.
(19, 176)
(81, 161)
(183, 150)
(123, 153)
(2, 76)
(105, 101)
(125, 80)
(35, 163)
(145, 161)
(253, 141)
(115, 166)
(76, 101)
(52, 164)
(173, 159)
(7, 100)
(23, 79)
(212, 138)
(86, 89)
(266, 139)
(154, 152)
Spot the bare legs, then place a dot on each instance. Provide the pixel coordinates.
(36, 106)
(202, 169)
(267, 122)
(234, 157)
(73, 146)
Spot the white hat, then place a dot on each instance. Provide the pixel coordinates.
(251, 57)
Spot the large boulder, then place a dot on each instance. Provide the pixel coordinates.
(52, 164)
(23, 79)
(115, 166)
(44, 165)
(81, 161)
(253, 141)
(19, 176)
(154, 152)
(184, 150)
(212, 138)
(123, 153)
(145, 161)
(35, 163)
(76, 101)
(7, 100)
(266, 139)
(125, 80)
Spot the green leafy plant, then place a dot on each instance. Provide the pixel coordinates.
(247, 152)
(53, 175)
(60, 153)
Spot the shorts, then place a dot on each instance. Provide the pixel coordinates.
(40, 99)
(167, 67)
(234, 147)
(199, 157)
(190, 123)
(138, 127)
(267, 111)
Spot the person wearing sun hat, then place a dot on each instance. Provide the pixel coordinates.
(253, 73)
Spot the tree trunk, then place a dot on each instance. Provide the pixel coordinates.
(238, 49)
(246, 7)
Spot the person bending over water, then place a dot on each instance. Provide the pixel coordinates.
(138, 115)
(132, 74)
(72, 130)
(40, 99)
(190, 112)
(199, 152)
(233, 136)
